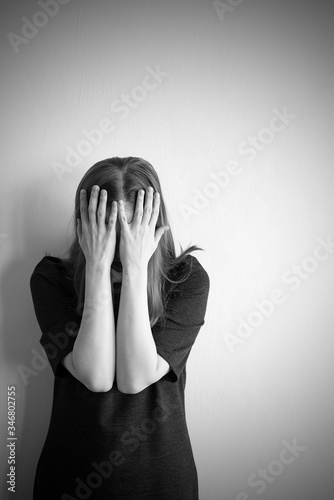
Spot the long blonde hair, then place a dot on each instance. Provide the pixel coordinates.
(123, 178)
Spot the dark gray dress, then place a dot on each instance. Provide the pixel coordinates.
(111, 445)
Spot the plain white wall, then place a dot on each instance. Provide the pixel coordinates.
(229, 69)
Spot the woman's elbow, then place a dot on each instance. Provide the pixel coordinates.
(99, 385)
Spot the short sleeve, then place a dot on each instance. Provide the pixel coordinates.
(185, 317)
(52, 296)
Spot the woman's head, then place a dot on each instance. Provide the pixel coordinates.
(122, 178)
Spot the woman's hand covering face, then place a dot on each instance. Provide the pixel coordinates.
(140, 238)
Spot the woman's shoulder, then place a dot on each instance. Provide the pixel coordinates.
(191, 275)
(51, 268)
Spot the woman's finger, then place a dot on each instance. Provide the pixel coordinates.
(112, 217)
(101, 212)
(122, 215)
(155, 210)
(159, 232)
(83, 209)
(92, 205)
(148, 206)
(79, 229)
(138, 213)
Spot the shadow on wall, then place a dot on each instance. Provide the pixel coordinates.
(25, 360)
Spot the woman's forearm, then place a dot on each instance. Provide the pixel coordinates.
(94, 348)
(136, 354)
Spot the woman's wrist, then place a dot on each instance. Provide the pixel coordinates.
(97, 282)
(97, 267)
(134, 273)
(98, 291)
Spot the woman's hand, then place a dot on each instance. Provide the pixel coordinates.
(96, 238)
(139, 239)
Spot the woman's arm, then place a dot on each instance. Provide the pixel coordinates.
(92, 360)
(137, 362)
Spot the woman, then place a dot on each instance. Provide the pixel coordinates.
(118, 318)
